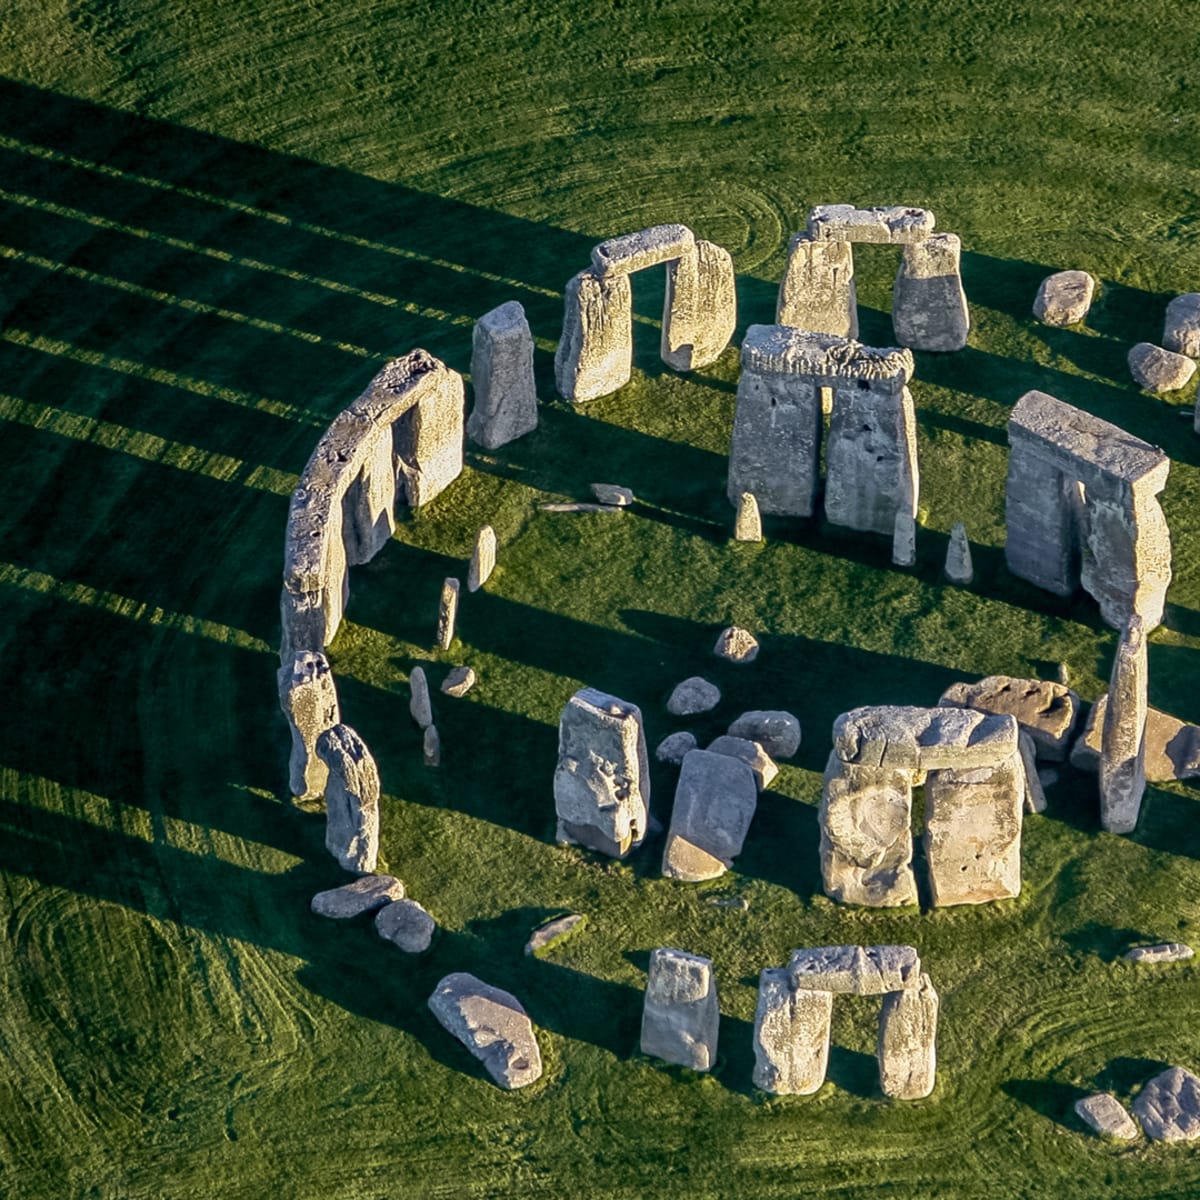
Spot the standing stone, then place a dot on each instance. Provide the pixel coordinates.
(700, 307)
(1169, 1106)
(737, 645)
(459, 681)
(483, 559)
(791, 1035)
(680, 1015)
(904, 539)
(602, 782)
(431, 747)
(427, 440)
(1035, 797)
(908, 1042)
(351, 799)
(502, 376)
(817, 291)
(715, 801)
(959, 568)
(1123, 743)
(419, 704)
(405, 924)
(929, 306)
(1159, 370)
(308, 697)
(778, 732)
(447, 613)
(1181, 329)
(1105, 1115)
(1064, 298)
(747, 525)
(595, 354)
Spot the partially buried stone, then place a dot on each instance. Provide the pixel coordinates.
(1169, 1106)
(552, 932)
(1159, 370)
(418, 704)
(407, 925)
(613, 494)
(1164, 952)
(483, 559)
(749, 752)
(959, 568)
(364, 895)
(1181, 329)
(1064, 298)
(459, 681)
(736, 644)
(747, 525)
(680, 1013)
(674, 746)
(693, 695)
(431, 747)
(1106, 1116)
(778, 732)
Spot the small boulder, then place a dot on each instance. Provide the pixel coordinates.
(459, 681)
(959, 568)
(749, 752)
(1164, 952)
(747, 525)
(1105, 1115)
(1064, 298)
(674, 746)
(364, 895)
(736, 644)
(405, 924)
(776, 731)
(1181, 329)
(553, 932)
(1169, 1106)
(611, 493)
(692, 696)
(1159, 370)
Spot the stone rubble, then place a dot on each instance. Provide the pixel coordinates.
(715, 800)
(776, 731)
(1064, 298)
(366, 894)
(483, 559)
(406, 925)
(502, 378)
(680, 1014)
(1159, 370)
(694, 695)
(351, 799)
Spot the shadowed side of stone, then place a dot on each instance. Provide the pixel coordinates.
(351, 799)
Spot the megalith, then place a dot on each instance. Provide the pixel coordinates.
(1123, 741)
(351, 799)
(929, 306)
(715, 800)
(817, 292)
(680, 1013)
(308, 697)
(483, 559)
(908, 1042)
(791, 1035)
(595, 353)
(700, 309)
(502, 378)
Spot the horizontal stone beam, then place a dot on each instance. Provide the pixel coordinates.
(845, 223)
(855, 970)
(646, 248)
(825, 357)
(924, 739)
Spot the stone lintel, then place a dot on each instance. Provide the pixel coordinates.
(845, 223)
(855, 970)
(924, 739)
(825, 357)
(646, 248)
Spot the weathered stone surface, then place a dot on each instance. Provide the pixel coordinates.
(778, 732)
(364, 895)
(492, 1025)
(1181, 328)
(1122, 739)
(646, 248)
(1171, 747)
(907, 1048)
(1105, 1115)
(737, 645)
(904, 539)
(613, 494)
(1064, 298)
(502, 378)
(700, 307)
(973, 832)
(308, 697)
(855, 970)
(602, 782)
(1164, 952)
(791, 1035)
(783, 350)
(431, 747)
(459, 681)
(483, 559)
(406, 925)
(1035, 797)
(959, 567)
(844, 222)
(595, 353)
(680, 1015)
(929, 306)
(1046, 711)
(351, 799)
(1169, 1106)
(447, 613)
(715, 800)
(428, 442)
(866, 835)
(553, 932)
(1159, 370)
(674, 746)
(693, 695)
(749, 752)
(924, 739)
(747, 525)
(419, 705)
(817, 292)
(581, 506)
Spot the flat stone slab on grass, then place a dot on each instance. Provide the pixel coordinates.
(1169, 1106)
(1164, 952)
(406, 925)
(613, 494)
(364, 895)
(1159, 370)
(1172, 746)
(694, 695)
(856, 970)
(1064, 298)
(1106, 1116)
(777, 732)
(553, 932)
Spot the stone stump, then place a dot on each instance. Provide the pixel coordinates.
(502, 378)
(929, 306)
(680, 1014)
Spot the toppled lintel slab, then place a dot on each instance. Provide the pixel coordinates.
(1069, 436)
(646, 248)
(924, 739)
(786, 350)
(855, 970)
(845, 223)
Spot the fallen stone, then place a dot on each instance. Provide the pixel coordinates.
(737, 645)
(646, 248)
(791, 1035)
(1122, 736)
(749, 752)
(554, 932)
(817, 292)
(419, 705)
(1165, 952)
(580, 507)
(1169, 1106)
(844, 222)
(483, 559)
(680, 1015)
(1045, 711)
(929, 306)
(715, 800)
(855, 970)
(776, 731)
(308, 697)
(502, 378)
(693, 695)
(1171, 746)
(747, 525)
(1035, 797)
(737, 902)
(924, 739)
(406, 925)
(904, 539)
(1064, 298)
(674, 746)
(492, 1025)
(447, 613)
(907, 1049)
(1105, 1115)
(595, 353)
(351, 799)
(959, 568)
(1159, 370)
(1181, 329)
(431, 747)
(364, 895)
(613, 494)
(459, 681)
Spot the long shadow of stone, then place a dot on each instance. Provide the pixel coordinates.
(1123, 1074)
(1168, 822)
(1055, 1101)
(1108, 942)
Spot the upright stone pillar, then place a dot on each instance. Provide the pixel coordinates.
(817, 291)
(369, 509)
(680, 1014)
(351, 799)
(595, 354)
(929, 306)
(1123, 741)
(908, 1042)
(700, 308)
(309, 700)
(791, 1035)
(502, 377)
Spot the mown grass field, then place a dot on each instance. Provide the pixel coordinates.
(216, 222)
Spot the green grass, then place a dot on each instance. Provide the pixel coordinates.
(215, 223)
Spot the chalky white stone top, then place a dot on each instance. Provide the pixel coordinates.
(845, 223)
(786, 350)
(646, 248)
(855, 970)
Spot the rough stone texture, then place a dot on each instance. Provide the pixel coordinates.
(308, 697)
(1035, 797)
(1164, 952)
(1064, 298)
(817, 292)
(855, 970)
(492, 1025)
(1122, 739)
(959, 567)
(483, 559)
(907, 1048)
(647, 248)
(447, 613)
(782, 350)
(776, 731)
(406, 925)
(1105, 1115)
(1171, 748)
(595, 353)
(602, 782)
(419, 705)
(715, 800)
(737, 645)
(552, 932)
(904, 539)
(582, 506)
(1169, 1106)
(351, 799)
(749, 752)
(459, 681)
(502, 378)
(791, 1035)
(747, 525)
(1159, 370)
(866, 835)
(929, 306)
(431, 747)
(845, 223)
(680, 1015)
(674, 746)
(700, 307)
(973, 832)
(613, 494)
(1046, 711)
(1181, 328)
(693, 695)
(924, 739)
(364, 895)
